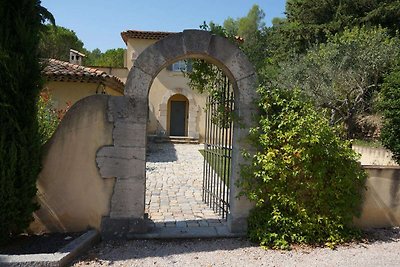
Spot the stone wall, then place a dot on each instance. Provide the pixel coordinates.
(72, 194)
(381, 206)
(374, 156)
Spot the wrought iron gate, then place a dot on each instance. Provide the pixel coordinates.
(218, 148)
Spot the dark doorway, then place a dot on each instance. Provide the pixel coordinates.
(177, 118)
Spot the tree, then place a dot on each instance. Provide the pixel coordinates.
(343, 74)
(309, 21)
(110, 58)
(56, 41)
(390, 107)
(20, 84)
(252, 29)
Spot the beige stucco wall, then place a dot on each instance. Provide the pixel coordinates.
(71, 193)
(166, 81)
(381, 206)
(121, 73)
(159, 95)
(375, 156)
(64, 92)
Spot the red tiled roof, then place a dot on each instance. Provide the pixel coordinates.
(152, 35)
(61, 71)
(149, 35)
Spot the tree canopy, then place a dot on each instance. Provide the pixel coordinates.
(110, 58)
(56, 41)
(309, 22)
(343, 74)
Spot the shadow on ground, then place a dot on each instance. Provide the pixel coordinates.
(161, 152)
(113, 251)
(385, 235)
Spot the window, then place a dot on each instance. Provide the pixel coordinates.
(180, 66)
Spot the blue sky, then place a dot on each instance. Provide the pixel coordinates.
(98, 23)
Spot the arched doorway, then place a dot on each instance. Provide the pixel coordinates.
(193, 112)
(126, 159)
(178, 107)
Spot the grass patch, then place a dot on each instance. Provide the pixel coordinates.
(219, 161)
(368, 143)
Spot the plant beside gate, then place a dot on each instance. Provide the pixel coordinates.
(306, 181)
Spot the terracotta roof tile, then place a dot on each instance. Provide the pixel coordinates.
(150, 35)
(57, 70)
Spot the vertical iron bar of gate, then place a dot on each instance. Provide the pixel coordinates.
(217, 148)
(214, 158)
(229, 147)
(221, 151)
(208, 150)
(205, 155)
(225, 148)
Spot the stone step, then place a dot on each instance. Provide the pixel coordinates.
(174, 139)
(186, 232)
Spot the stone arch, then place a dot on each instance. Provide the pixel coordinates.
(193, 110)
(126, 158)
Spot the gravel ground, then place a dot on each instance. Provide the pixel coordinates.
(381, 248)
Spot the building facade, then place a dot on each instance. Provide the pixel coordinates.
(174, 108)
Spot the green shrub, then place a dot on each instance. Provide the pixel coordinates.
(20, 84)
(390, 107)
(304, 179)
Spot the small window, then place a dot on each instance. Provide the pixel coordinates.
(181, 65)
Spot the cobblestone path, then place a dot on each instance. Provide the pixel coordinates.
(174, 174)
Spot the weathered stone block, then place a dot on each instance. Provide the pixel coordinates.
(171, 48)
(151, 62)
(129, 134)
(239, 65)
(122, 152)
(221, 49)
(121, 108)
(138, 83)
(196, 41)
(120, 228)
(128, 198)
(110, 167)
(123, 162)
(237, 224)
(232, 60)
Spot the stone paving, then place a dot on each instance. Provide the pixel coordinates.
(174, 174)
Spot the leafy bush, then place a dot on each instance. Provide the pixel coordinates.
(390, 106)
(304, 179)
